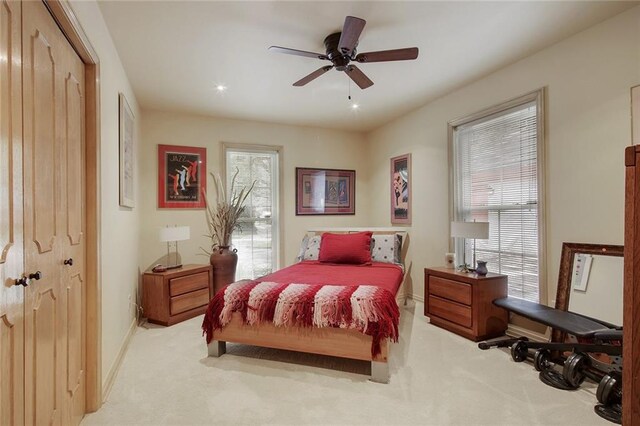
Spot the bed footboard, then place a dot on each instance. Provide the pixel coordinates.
(337, 342)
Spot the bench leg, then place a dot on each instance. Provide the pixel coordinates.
(499, 342)
(379, 372)
(217, 348)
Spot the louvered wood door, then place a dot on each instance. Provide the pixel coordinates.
(11, 249)
(53, 182)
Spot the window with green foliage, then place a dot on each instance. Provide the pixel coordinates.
(257, 237)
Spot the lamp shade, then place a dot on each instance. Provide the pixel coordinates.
(476, 230)
(175, 233)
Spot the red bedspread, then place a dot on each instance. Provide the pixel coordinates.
(312, 294)
(383, 275)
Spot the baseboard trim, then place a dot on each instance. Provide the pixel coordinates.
(416, 298)
(516, 331)
(115, 367)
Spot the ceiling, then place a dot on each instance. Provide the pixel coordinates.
(175, 53)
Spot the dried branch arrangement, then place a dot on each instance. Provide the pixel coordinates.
(223, 216)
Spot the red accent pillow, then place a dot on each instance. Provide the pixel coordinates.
(346, 248)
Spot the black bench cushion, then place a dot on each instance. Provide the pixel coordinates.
(613, 334)
(566, 321)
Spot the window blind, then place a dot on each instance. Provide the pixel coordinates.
(496, 177)
(255, 239)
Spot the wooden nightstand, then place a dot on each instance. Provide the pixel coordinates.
(176, 295)
(462, 302)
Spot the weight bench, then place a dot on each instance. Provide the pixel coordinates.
(591, 336)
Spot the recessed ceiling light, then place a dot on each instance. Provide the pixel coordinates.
(355, 106)
(221, 88)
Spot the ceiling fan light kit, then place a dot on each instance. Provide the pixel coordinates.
(341, 50)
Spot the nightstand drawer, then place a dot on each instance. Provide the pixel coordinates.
(448, 289)
(450, 311)
(189, 301)
(188, 283)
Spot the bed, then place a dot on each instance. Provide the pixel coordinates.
(322, 323)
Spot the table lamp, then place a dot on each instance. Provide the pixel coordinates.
(174, 234)
(475, 230)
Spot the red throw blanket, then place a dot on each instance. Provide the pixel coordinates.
(369, 309)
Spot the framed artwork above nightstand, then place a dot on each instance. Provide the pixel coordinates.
(463, 302)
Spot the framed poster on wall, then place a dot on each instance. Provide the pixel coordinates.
(182, 177)
(325, 191)
(401, 189)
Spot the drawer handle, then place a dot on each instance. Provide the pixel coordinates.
(69, 261)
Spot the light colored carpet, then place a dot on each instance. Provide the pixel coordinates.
(437, 378)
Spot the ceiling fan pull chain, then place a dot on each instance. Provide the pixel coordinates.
(349, 89)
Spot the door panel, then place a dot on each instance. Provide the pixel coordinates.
(9, 339)
(11, 235)
(74, 155)
(6, 131)
(73, 245)
(75, 368)
(53, 116)
(41, 79)
(43, 342)
(43, 325)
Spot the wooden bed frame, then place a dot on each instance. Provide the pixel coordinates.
(338, 342)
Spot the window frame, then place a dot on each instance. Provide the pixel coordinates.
(539, 98)
(278, 150)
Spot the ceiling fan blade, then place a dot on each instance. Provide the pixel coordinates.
(297, 52)
(317, 73)
(350, 34)
(358, 77)
(406, 54)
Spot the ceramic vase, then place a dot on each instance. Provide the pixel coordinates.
(224, 262)
(481, 269)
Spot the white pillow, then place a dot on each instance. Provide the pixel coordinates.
(309, 248)
(386, 248)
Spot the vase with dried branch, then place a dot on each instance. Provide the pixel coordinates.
(223, 217)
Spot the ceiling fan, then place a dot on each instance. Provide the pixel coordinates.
(341, 50)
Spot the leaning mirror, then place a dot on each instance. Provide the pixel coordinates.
(590, 282)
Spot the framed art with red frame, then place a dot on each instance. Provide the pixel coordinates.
(325, 191)
(182, 177)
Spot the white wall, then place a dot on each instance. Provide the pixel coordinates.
(588, 77)
(302, 147)
(119, 226)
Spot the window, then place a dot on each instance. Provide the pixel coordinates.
(497, 176)
(257, 237)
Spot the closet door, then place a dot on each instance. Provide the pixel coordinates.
(11, 250)
(73, 241)
(53, 227)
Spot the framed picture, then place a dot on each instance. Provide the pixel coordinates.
(401, 189)
(182, 177)
(127, 149)
(325, 191)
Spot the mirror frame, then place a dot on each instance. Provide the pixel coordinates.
(569, 250)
